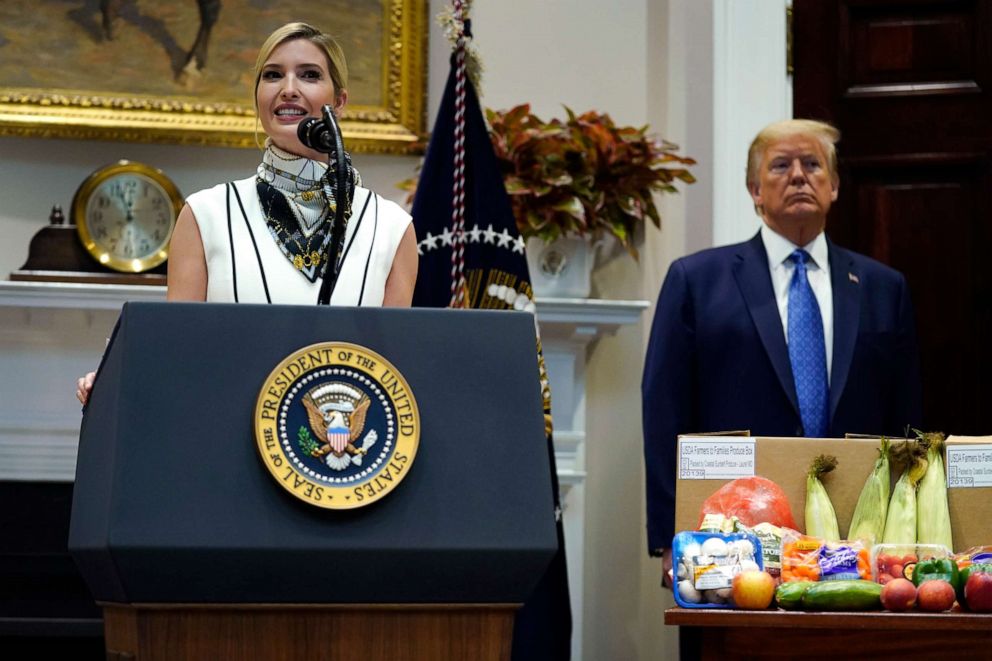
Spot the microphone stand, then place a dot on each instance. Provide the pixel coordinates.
(333, 268)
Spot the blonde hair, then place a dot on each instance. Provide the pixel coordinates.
(827, 134)
(337, 67)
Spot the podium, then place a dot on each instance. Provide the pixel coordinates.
(194, 550)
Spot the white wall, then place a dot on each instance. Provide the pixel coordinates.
(700, 72)
(585, 54)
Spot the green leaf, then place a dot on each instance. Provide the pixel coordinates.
(573, 207)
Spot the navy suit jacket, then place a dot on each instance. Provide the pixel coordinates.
(717, 359)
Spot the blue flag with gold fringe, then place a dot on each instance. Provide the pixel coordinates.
(493, 248)
(489, 270)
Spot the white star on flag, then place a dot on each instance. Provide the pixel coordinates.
(446, 237)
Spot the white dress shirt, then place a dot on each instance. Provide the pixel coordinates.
(782, 268)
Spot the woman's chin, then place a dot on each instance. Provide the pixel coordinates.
(288, 141)
(293, 146)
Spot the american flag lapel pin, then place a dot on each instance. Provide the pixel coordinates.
(853, 278)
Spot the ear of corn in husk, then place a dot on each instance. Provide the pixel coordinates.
(900, 522)
(821, 520)
(933, 519)
(868, 522)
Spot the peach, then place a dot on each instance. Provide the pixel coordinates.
(898, 595)
(935, 596)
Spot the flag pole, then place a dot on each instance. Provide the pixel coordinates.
(458, 285)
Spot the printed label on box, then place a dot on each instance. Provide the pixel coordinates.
(714, 573)
(969, 466)
(702, 458)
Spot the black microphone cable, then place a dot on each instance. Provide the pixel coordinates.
(319, 135)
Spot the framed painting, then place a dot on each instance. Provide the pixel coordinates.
(181, 71)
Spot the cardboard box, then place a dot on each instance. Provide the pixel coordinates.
(786, 460)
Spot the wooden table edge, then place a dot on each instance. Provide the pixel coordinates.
(704, 617)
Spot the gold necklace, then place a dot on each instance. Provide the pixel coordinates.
(305, 258)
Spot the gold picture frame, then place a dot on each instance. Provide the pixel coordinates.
(385, 42)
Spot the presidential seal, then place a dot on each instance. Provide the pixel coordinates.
(337, 425)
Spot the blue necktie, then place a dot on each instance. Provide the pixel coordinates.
(807, 350)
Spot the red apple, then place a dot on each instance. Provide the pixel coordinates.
(978, 592)
(753, 590)
(935, 596)
(899, 595)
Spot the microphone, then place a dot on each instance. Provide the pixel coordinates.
(313, 133)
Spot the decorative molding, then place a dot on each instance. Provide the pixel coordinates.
(583, 319)
(882, 90)
(568, 445)
(40, 446)
(555, 315)
(928, 160)
(53, 327)
(75, 296)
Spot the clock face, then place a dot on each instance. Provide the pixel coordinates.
(125, 217)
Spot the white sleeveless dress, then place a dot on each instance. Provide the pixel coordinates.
(244, 263)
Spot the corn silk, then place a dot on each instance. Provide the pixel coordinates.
(900, 522)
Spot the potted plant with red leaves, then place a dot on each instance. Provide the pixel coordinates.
(579, 180)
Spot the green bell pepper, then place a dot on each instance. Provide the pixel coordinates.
(939, 569)
(963, 574)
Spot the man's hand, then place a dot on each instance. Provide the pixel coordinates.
(666, 568)
(83, 387)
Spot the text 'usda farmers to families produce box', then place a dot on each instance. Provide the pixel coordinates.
(705, 463)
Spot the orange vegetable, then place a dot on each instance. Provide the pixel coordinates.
(802, 556)
(800, 559)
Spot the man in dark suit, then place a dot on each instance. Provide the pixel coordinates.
(784, 335)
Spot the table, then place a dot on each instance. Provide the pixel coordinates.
(776, 634)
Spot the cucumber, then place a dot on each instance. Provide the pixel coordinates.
(843, 596)
(790, 595)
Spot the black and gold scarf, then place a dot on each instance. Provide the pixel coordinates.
(299, 199)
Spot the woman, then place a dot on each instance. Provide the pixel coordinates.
(265, 238)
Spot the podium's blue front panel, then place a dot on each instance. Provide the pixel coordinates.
(173, 504)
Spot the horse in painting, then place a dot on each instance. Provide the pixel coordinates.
(196, 58)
